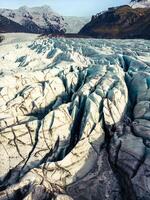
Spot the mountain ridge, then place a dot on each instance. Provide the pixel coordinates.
(119, 22)
(42, 20)
(36, 19)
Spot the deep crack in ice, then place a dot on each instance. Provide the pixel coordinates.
(74, 119)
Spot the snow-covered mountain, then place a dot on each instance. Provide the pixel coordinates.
(140, 3)
(40, 20)
(37, 19)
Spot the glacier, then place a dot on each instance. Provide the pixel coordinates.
(74, 119)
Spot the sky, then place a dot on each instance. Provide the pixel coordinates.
(67, 7)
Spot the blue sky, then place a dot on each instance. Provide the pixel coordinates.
(67, 7)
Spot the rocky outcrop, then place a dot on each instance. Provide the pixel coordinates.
(119, 22)
(74, 120)
(40, 20)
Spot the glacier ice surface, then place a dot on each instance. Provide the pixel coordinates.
(75, 119)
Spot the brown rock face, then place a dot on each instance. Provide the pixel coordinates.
(120, 22)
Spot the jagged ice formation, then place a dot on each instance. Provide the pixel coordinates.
(75, 119)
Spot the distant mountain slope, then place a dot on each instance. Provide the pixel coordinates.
(36, 19)
(74, 24)
(120, 22)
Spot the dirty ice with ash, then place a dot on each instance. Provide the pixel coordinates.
(74, 118)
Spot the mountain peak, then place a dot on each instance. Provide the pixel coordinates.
(36, 19)
(23, 8)
(44, 8)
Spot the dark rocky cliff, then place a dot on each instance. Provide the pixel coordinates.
(120, 22)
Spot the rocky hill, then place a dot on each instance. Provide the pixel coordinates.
(32, 20)
(120, 22)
